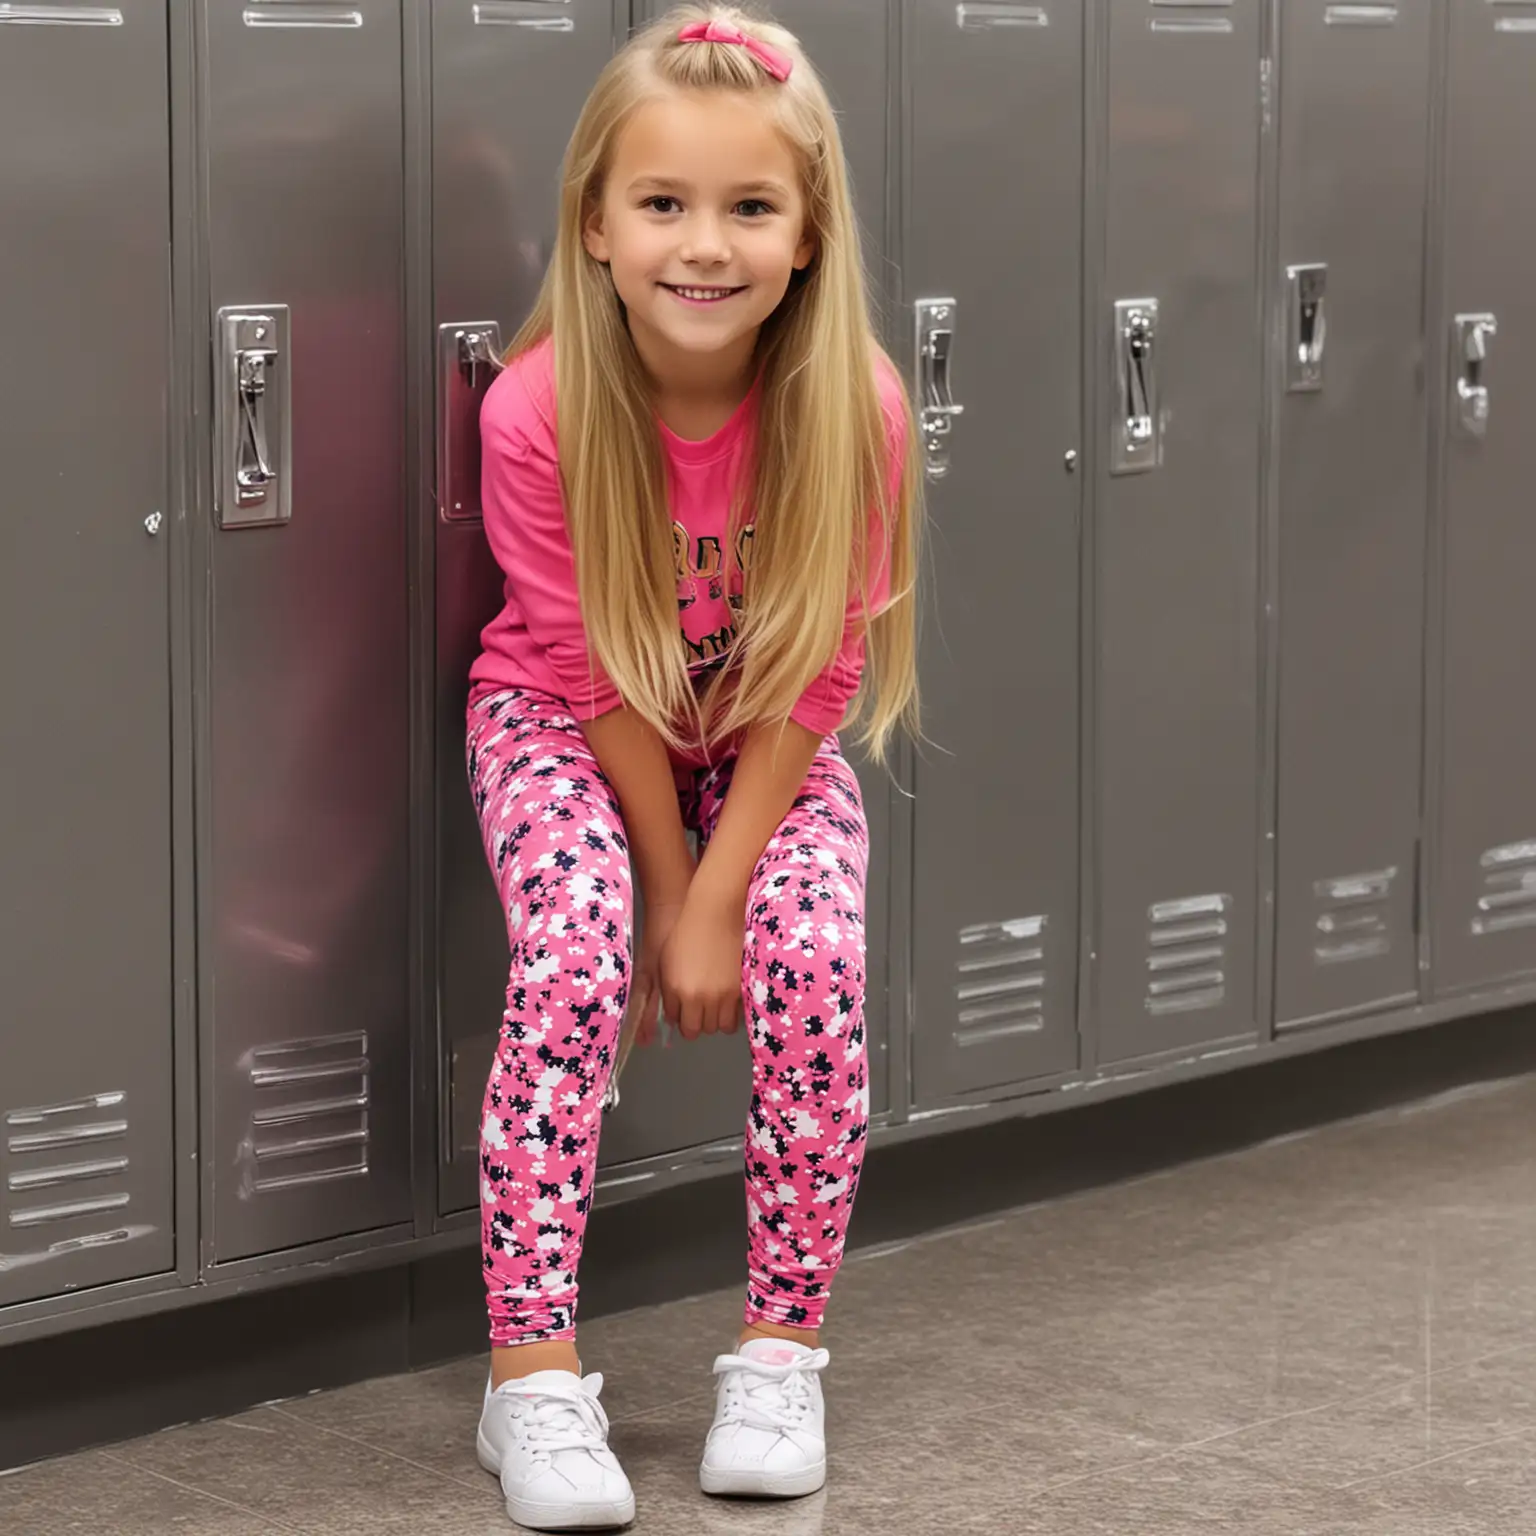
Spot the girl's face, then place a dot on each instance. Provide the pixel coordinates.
(701, 224)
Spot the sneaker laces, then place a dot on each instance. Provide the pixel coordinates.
(776, 1398)
(560, 1418)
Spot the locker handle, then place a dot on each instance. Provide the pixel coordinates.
(937, 407)
(1138, 354)
(253, 394)
(1473, 333)
(1308, 327)
(253, 469)
(1136, 434)
(479, 349)
(469, 358)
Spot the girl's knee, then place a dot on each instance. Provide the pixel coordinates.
(811, 905)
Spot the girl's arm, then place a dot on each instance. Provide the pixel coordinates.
(702, 958)
(634, 760)
(770, 770)
(525, 526)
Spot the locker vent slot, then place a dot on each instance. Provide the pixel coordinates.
(1508, 898)
(301, 14)
(310, 1124)
(977, 18)
(1525, 24)
(534, 15)
(1001, 988)
(51, 1175)
(1353, 917)
(1360, 16)
(1196, 16)
(36, 1216)
(68, 1245)
(60, 16)
(1187, 954)
(66, 1173)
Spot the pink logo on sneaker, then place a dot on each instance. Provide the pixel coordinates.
(778, 1356)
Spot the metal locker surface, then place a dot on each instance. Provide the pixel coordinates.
(1177, 531)
(1354, 144)
(305, 938)
(85, 760)
(993, 223)
(1485, 890)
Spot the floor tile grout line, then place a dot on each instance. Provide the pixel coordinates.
(626, 1416)
(380, 1450)
(1527, 1433)
(993, 1405)
(1493, 1354)
(1191, 1446)
(674, 1402)
(203, 1493)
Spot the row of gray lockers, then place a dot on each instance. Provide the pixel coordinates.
(1214, 311)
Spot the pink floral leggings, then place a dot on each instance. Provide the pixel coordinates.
(556, 846)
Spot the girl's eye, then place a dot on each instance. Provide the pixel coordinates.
(661, 204)
(753, 208)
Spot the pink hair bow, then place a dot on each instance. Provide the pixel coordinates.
(776, 63)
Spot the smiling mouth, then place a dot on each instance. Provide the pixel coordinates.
(694, 295)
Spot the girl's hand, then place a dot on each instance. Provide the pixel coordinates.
(645, 990)
(701, 965)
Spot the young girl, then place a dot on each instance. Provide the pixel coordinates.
(696, 480)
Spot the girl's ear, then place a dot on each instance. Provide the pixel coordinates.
(593, 237)
(805, 252)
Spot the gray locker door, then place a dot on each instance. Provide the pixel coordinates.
(496, 88)
(994, 223)
(305, 907)
(1353, 448)
(1485, 897)
(1178, 535)
(85, 762)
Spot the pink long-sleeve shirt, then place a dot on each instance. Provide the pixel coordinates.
(539, 641)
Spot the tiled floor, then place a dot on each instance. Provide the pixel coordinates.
(1330, 1334)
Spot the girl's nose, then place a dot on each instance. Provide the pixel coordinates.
(705, 242)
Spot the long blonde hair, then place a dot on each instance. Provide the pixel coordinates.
(822, 459)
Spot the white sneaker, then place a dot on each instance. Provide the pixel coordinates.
(546, 1437)
(769, 1437)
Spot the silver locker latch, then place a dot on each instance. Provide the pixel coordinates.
(253, 482)
(936, 403)
(1136, 436)
(1473, 333)
(468, 359)
(1306, 327)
